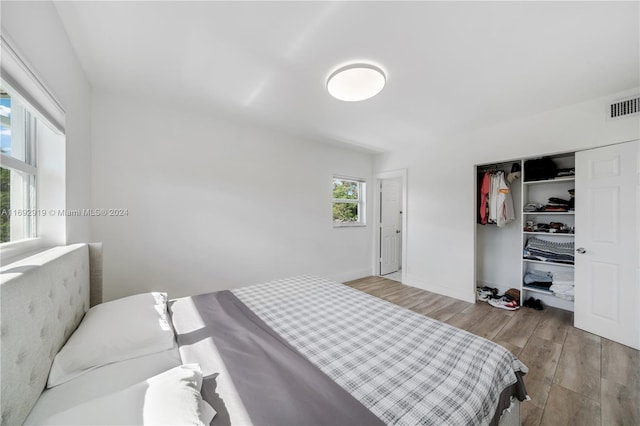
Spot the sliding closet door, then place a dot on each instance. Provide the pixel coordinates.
(607, 292)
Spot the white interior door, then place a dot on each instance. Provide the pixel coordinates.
(390, 202)
(607, 279)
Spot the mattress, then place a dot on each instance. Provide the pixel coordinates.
(308, 348)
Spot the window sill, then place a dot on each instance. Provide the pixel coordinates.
(349, 225)
(13, 251)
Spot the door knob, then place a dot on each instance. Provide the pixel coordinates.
(581, 250)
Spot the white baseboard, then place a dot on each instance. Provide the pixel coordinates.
(350, 275)
(467, 296)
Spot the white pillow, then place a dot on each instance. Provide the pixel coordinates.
(101, 381)
(114, 331)
(170, 398)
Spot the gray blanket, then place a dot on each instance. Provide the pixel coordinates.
(252, 375)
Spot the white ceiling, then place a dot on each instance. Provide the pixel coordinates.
(450, 65)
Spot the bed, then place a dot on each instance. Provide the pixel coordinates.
(301, 350)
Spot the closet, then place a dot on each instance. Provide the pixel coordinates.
(548, 231)
(498, 250)
(575, 240)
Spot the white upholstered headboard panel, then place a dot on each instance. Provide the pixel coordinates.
(42, 300)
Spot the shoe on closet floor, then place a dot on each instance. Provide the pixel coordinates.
(514, 293)
(533, 304)
(507, 303)
(485, 293)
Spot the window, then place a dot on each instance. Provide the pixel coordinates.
(348, 201)
(17, 169)
(32, 160)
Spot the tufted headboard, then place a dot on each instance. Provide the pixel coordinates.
(42, 300)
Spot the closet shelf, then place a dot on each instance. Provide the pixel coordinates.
(547, 213)
(536, 290)
(556, 180)
(539, 290)
(568, 265)
(551, 234)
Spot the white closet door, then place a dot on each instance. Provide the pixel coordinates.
(607, 289)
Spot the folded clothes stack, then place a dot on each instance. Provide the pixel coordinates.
(538, 279)
(557, 205)
(549, 251)
(566, 172)
(560, 283)
(563, 285)
(533, 207)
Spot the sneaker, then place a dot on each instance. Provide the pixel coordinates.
(504, 303)
(534, 304)
(486, 293)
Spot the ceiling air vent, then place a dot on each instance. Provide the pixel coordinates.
(625, 107)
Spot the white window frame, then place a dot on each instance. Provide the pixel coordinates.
(25, 225)
(360, 201)
(18, 77)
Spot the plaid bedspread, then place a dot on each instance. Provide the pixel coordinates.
(404, 367)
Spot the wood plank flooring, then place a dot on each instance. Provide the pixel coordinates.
(575, 378)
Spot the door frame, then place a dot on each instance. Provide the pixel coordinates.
(379, 177)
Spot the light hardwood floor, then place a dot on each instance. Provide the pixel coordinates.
(575, 378)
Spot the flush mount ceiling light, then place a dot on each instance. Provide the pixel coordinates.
(356, 82)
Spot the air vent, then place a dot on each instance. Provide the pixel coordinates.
(624, 107)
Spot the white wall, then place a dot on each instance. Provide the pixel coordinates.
(214, 204)
(441, 207)
(38, 35)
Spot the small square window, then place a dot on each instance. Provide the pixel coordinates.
(348, 203)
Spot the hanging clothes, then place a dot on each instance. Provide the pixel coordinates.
(506, 213)
(496, 203)
(484, 198)
(493, 197)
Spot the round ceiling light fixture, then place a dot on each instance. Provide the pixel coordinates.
(356, 82)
